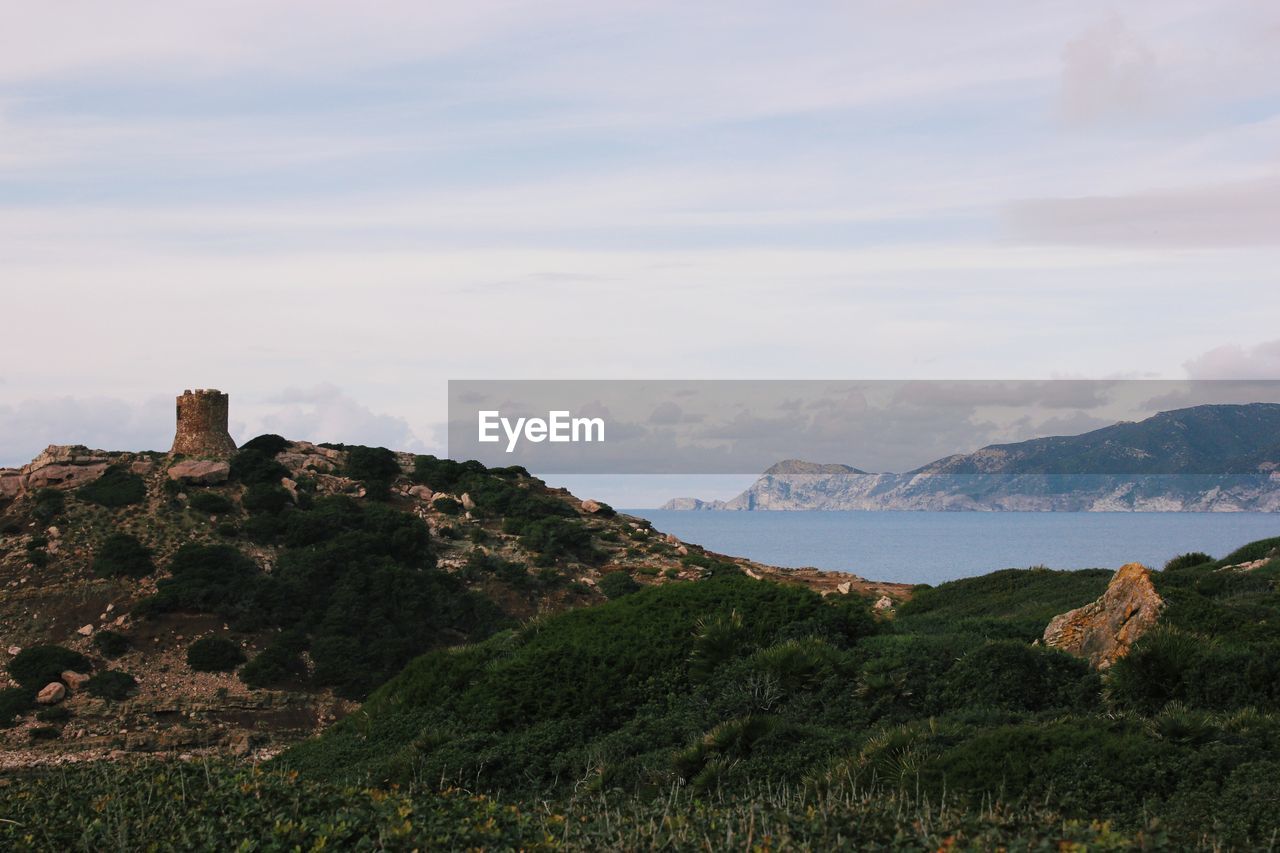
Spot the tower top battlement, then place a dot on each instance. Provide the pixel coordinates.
(202, 424)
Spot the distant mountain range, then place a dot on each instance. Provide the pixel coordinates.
(1216, 458)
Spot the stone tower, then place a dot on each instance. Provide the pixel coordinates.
(202, 425)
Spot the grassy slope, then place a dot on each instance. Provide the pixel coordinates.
(952, 697)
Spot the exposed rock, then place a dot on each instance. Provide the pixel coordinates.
(65, 476)
(467, 503)
(201, 472)
(422, 493)
(1104, 630)
(142, 467)
(290, 486)
(883, 603)
(84, 630)
(240, 743)
(52, 693)
(15, 650)
(673, 539)
(590, 506)
(12, 483)
(843, 588)
(74, 680)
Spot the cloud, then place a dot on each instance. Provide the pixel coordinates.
(325, 413)
(1245, 213)
(101, 423)
(1107, 73)
(1237, 361)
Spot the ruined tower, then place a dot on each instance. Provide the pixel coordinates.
(202, 425)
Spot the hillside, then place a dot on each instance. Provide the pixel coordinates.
(1217, 458)
(720, 691)
(726, 702)
(248, 602)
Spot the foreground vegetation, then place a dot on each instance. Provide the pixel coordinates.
(220, 807)
(731, 684)
(735, 712)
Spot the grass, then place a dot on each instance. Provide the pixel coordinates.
(159, 806)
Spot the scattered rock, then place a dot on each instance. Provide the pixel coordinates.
(1104, 630)
(52, 693)
(200, 472)
(467, 503)
(422, 493)
(142, 467)
(590, 506)
(673, 539)
(74, 680)
(14, 650)
(290, 486)
(240, 743)
(53, 532)
(843, 588)
(883, 603)
(84, 630)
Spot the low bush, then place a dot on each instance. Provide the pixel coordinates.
(117, 487)
(111, 644)
(111, 684)
(447, 505)
(269, 444)
(14, 702)
(618, 584)
(265, 498)
(122, 555)
(37, 666)
(279, 664)
(54, 714)
(210, 502)
(214, 654)
(252, 466)
(48, 505)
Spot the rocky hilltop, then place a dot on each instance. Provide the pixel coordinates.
(1219, 458)
(236, 604)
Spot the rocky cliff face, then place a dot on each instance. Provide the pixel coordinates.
(1204, 459)
(1104, 630)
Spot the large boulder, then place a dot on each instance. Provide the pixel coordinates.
(1104, 630)
(65, 476)
(52, 693)
(200, 472)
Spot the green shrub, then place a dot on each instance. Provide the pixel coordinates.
(618, 584)
(37, 666)
(270, 444)
(252, 466)
(48, 505)
(210, 502)
(279, 664)
(14, 702)
(111, 684)
(371, 465)
(206, 578)
(265, 498)
(447, 505)
(116, 487)
(54, 714)
(214, 654)
(111, 644)
(227, 529)
(1187, 561)
(122, 555)
(1010, 675)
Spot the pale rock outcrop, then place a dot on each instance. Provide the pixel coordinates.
(1104, 630)
(200, 472)
(422, 493)
(467, 503)
(590, 506)
(52, 693)
(74, 680)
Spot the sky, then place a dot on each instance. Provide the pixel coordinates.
(331, 209)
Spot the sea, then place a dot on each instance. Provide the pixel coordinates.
(934, 547)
